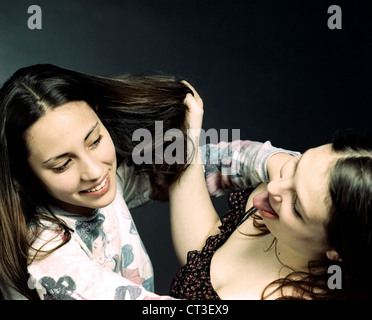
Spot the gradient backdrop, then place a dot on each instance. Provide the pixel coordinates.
(270, 68)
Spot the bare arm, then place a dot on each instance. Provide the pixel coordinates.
(191, 209)
(192, 212)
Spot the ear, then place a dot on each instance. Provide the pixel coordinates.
(333, 255)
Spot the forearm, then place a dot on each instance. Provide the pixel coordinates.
(239, 164)
(191, 209)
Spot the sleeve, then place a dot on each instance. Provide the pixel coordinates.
(237, 165)
(228, 166)
(136, 187)
(69, 274)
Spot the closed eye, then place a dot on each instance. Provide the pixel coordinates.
(295, 200)
(292, 172)
(96, 143)
(295, 211)
(63, 167)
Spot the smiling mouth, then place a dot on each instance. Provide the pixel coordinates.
(100, 188)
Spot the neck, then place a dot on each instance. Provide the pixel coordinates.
(293, 259)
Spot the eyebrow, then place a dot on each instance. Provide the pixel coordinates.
(65, 154)
(91, 131)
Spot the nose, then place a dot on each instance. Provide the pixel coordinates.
(91, 169)
(278, 189)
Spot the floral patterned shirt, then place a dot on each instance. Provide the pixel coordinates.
(105, 258)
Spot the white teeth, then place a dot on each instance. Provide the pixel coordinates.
(98, 187)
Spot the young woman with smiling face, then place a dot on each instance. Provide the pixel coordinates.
(62, 133)
(83, 159)
(314, 212)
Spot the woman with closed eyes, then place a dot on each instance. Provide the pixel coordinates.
(279, 238)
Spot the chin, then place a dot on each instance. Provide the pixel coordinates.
(106, 199)
(269, 225)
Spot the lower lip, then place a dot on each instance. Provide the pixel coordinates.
(268, 215)
(99, 192)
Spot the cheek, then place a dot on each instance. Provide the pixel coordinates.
(56, 184)
(61, 185)
(300, 235)
(294, 228)
(289, 226)
(108, 152)
(59, 191)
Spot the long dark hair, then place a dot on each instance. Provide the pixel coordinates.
(348, 229)
(350, 226)
(124, 104)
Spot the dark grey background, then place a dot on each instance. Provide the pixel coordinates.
(272, 69)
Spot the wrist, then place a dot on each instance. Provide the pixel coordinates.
(193, 154)
(275, 163)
